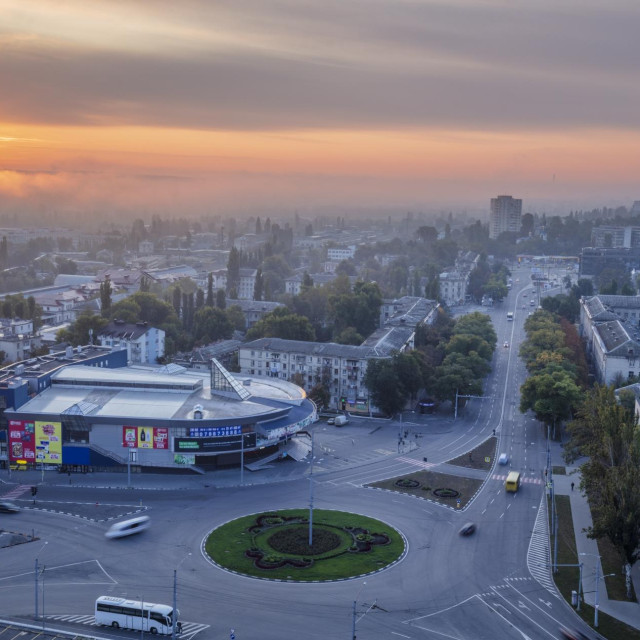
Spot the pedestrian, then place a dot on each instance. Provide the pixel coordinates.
(572, 485)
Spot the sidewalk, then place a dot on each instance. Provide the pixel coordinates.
(627, 612)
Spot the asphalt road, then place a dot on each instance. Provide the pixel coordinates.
(491, 585)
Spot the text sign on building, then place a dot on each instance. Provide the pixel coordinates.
(214, 445)
(145, 437)
(215, 432)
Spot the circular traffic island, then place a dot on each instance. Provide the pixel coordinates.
(275, 545)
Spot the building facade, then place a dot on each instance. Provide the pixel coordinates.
(143, 343)
(505, 216)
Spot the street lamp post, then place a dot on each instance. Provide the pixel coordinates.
(43, 568)
(353, 618)
(311, 494)
(598, 577)
(174, 616)
(36, 579)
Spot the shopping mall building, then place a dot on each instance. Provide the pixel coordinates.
(85, 409)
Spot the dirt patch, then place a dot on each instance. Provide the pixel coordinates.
(479, 458)
(429, 482)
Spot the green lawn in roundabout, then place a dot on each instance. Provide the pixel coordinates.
(275, 545)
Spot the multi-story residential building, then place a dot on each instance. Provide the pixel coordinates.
(253, 310)
(453, 287)
(615, 237)
(594, 260)
(246, 284)
(17, 338)
(505, 216)
(341, 368)
(336, 254)
(610, 327)
(144, 344)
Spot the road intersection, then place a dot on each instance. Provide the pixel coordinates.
(494, 584)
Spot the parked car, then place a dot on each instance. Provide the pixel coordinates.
(8, 507)
(331, 421)
(467, 529)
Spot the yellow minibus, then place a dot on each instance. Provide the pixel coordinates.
(513, 481)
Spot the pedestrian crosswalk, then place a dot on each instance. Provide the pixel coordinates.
(421, 464)
(538, 554)
(16, 492)
(503, 477)
(189, 629)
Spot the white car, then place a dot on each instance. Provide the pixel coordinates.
(128, 527)
(503, 459)
(506, 344)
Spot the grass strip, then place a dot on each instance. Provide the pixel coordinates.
(566, 578)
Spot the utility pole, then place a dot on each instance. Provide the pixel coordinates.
(311, 495)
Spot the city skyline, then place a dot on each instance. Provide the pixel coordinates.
(208, 108)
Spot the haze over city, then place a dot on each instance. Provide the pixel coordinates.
(200, 107)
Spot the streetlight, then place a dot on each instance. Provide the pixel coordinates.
(353, 619)
(43, 568)
(174, 616)
(598, 576)
(36, 578)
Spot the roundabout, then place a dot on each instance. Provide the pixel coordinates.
(277, 545)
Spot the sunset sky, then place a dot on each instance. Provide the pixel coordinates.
(219, 106)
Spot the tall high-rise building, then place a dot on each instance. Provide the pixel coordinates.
(505, 215)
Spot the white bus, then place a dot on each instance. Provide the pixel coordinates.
(121, 613)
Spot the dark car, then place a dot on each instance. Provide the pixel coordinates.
(467, 529)
(8, 507)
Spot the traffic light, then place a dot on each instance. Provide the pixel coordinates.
(34, 490)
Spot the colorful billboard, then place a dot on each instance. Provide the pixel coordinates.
(49, 442)
(33, 442)
(145, 437)
(22, 441)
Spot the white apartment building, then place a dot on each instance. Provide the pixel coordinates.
(246, 285)
(144, 344)
(505, 216)
(453, 287)
(610, 327)
(336, 254)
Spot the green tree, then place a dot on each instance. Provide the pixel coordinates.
(209, 301)
(606, 432)
(552, 396)
(236, 317)
(78, 332)
(349, 335)
(281, 323)
(211, 324)
(105, 297)
(383, 385)
(259, 285)
(221, 299)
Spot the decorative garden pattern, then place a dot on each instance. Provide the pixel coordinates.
(276, 545)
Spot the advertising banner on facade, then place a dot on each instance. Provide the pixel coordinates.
(214, 445)
(49, 442)
(145, 437)
(184, 458)
(22, 440)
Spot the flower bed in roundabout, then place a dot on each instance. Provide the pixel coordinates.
(275, 545)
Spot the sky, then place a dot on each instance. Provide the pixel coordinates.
(243, 106)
